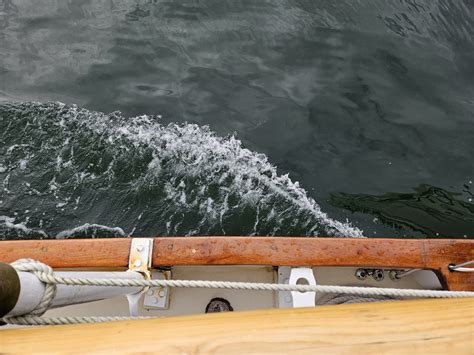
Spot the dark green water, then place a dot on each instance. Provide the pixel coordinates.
(368, 105)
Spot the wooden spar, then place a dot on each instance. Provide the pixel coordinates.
(409, 327)
(432, 254)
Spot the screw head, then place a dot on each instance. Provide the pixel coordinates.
(378, 275)
(361, 274)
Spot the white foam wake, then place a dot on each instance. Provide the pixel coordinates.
(146, 178)
(197, 154)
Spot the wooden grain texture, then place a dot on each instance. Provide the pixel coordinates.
(70, 253)
(399, 327)
(433, 254)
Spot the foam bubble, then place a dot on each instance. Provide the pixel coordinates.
(91, 230)
(19, 230)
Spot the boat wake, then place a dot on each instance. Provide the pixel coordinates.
(63, 166)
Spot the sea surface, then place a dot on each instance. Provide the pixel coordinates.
(228, 117)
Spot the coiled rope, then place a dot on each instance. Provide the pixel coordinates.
(46, 274)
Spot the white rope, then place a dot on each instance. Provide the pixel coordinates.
(30, 265)
(46, 275)
(34, 317)
(37, 320)
(348, 299)
(460, 268)
(257, 286)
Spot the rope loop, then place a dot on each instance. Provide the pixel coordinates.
(43, 272)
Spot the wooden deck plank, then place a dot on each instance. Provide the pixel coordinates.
(399, 327)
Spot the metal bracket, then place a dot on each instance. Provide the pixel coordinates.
(140, 255)
(294, 276)
(140, 261)
(158, 297)
(306, 276)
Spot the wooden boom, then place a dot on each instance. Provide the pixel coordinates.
(431, 254)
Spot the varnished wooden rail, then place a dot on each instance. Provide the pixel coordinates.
(409, 327)
(432, 254)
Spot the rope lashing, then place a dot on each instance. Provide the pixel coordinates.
(38, 268)
(41, 270)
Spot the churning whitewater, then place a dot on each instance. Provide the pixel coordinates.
(69, 172)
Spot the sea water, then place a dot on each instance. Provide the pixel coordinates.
(313, 118)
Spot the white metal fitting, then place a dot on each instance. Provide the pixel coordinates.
(140, 261)
(295, 276)
(305, 276)
(158, 297)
